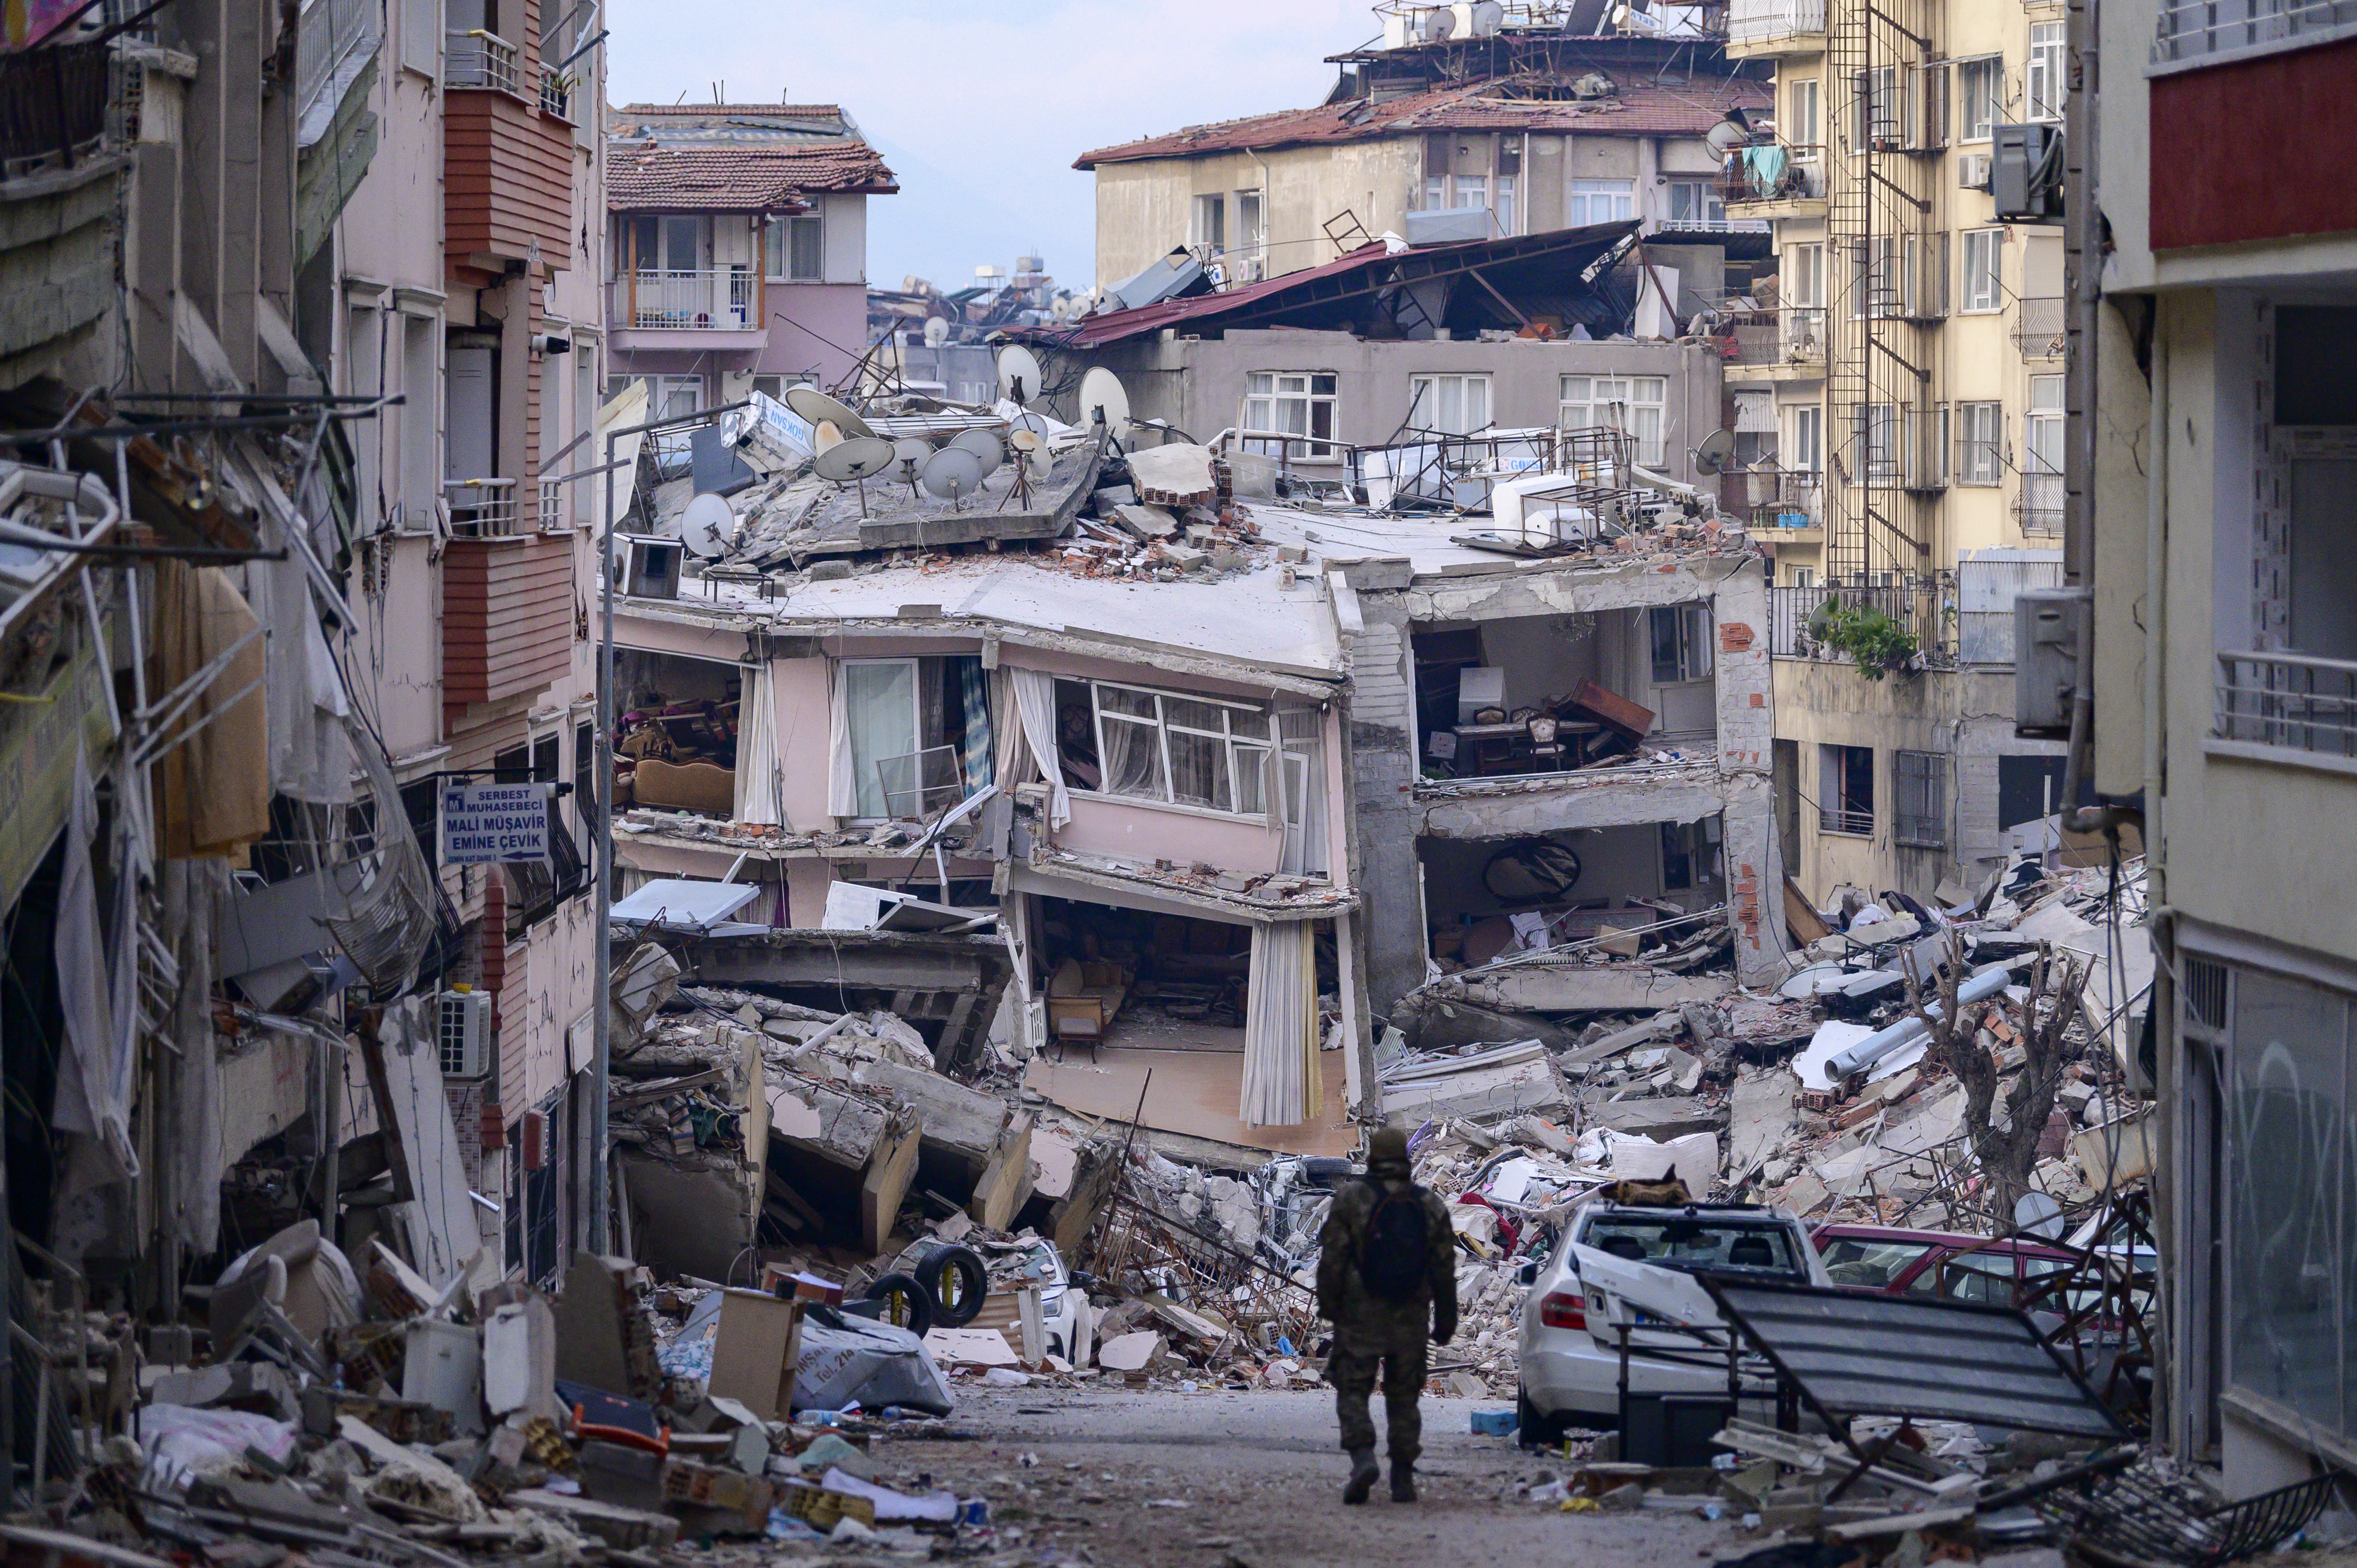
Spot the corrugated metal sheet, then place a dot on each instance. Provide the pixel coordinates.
(1851, 1354)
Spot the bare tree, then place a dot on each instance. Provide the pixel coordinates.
(1961, 1043)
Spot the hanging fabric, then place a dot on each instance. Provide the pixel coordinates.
(1035, 706)
(841, 787)
(760, 783)
(1281, 1083)
(94, 1092)
(973, 684)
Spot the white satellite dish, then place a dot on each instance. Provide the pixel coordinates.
(1439, 22)
(909, 453)
(854, 461)
(937, 331)
(1726, 136)
(1488, 16)
(1712, 455)
(818, 408)
(1037, 423)
(982, 445)
(825, 434)
(1101, 397)
(953, 473)
(1019, 375)
(2037, 1214)
(706, 526)
(1031, 448)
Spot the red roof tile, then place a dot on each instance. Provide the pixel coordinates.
(739, 176)
(1643, 107)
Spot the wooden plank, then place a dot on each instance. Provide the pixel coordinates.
(889, 1171)
(1801, 916)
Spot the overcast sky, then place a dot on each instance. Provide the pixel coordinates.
(981, 105)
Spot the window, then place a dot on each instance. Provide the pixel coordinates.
(1472, 190)
(421, 467)
(1635, 404)
(1806, 446)
(1980, 443)
(1802, 127)
(1980, 89)
(1984, 287)
(1874, 276)
(914, 725)
(1291, 403)
(1875, 98)
(1674, 1241)
(1502, 209)
(1158, 746)
(1452, 405)
(1927, 447)
(1252, 230)
(421, 36)
(2048, 79)
(1804, 578)
(1805, 273)
(1680, 640)
(1870, 1264)
(535, 889)
(1211, 223)
(1874, 436)
(1984, 1278)
(795, 248)
(1599, 201)
(1919, 789)
(1846, 789)
(2042, 458)
(1696, 202)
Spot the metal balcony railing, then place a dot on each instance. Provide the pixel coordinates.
(53, 104)
(1925, 604)
(2039, 506)
(477, 58)
(1790, 334)
(552, 505)
(2194, 29)
(2295, 702)
(1773, 171)
(481, 509)
(1762, 21)
(2038, 327)
(1984, 594)
(1783, 499)
(556, 94)
(722, 301)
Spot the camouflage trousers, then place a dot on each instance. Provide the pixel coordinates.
(1352, 1373)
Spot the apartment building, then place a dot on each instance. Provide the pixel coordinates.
(2216, 447)
(1520, 131)
(738, 234)
(309, 345)
(1903, 381)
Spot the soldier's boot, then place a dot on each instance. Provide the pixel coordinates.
(1403, 1482)
(1364, 1475)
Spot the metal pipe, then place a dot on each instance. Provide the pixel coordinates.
(1982, 985)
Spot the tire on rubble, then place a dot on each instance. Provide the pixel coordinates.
(907, 1304)
(956, 1280)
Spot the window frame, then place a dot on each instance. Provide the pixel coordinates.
(1704, 193)
(1584, 193)
(779, 248)
(1316, 446)
(1687, 629)
(1836, 812)
(1973, 300)
(1807, 101)
(1988, 72)
(1466, 380)
(1232, 743)
(1980, 453)
(2050, 58)
(1919, 803)
(1600, 397)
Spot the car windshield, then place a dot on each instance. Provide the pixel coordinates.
(1869, 1264)
(1696, 1243)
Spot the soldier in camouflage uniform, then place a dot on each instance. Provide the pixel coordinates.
(1372, 1332)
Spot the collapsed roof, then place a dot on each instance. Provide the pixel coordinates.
(737, 158)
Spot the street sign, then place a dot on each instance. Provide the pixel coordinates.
(483, 824)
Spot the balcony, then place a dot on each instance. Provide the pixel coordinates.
(507, 158)
(1923, 605)
(1785, 503)
(1775, 26)
(53, 106)
(1986, 590)
(507, 614)
(1784, 344)
(2038, 508)
(725, 300)
(60, 164)
(2038, 327)
(1771, 174)
(2274, 703)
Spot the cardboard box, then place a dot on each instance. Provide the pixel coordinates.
(754, 1354)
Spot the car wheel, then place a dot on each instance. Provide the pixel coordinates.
(907, 1304)
(1536, 1430)
(957, 1281)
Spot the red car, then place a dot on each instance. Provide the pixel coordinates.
(1888, 1261)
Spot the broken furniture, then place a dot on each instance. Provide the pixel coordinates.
(1084, 996)
(684, 786)
(2135, 1515)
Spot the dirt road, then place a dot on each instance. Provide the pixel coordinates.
(1213, 1478)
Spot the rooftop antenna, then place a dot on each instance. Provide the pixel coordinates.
(854, 461)
(953, 473)
(1019, 376)
(910, 452)
(706, 525)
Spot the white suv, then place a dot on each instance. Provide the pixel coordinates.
(1624, 1263)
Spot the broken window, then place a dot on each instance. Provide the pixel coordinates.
(1918, 787)
(1145, 744)
(1290, 403)
(1846, 789)
(1452, 405)
(918, 732)
(1681, 642)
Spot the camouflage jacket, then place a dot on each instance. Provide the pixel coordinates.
(1363, 1320)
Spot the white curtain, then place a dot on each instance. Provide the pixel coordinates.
(1281, 1083)
(1035, 705)
(841, 787)
(759, 782)
(94, 1092)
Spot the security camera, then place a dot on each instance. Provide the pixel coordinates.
(549, 343)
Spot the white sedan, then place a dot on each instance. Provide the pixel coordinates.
(1626, 1264)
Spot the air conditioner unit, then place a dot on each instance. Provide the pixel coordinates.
(1973, 171)
(650, 570)
(2026, 173)
(463, 1034)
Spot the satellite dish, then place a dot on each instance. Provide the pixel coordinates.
(909, 453)
(1019, 376)
(1101, 397)
(1439, 22)
(937, 331)
(818, 408)
(2037, 1214)
(1712, 455)
(824, 434)
(706, 526)
(1488, 16)
(982, 445)
(953, 473)
(1036, 424)
(1726, 136)
(1031, 451)
(854, 461)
